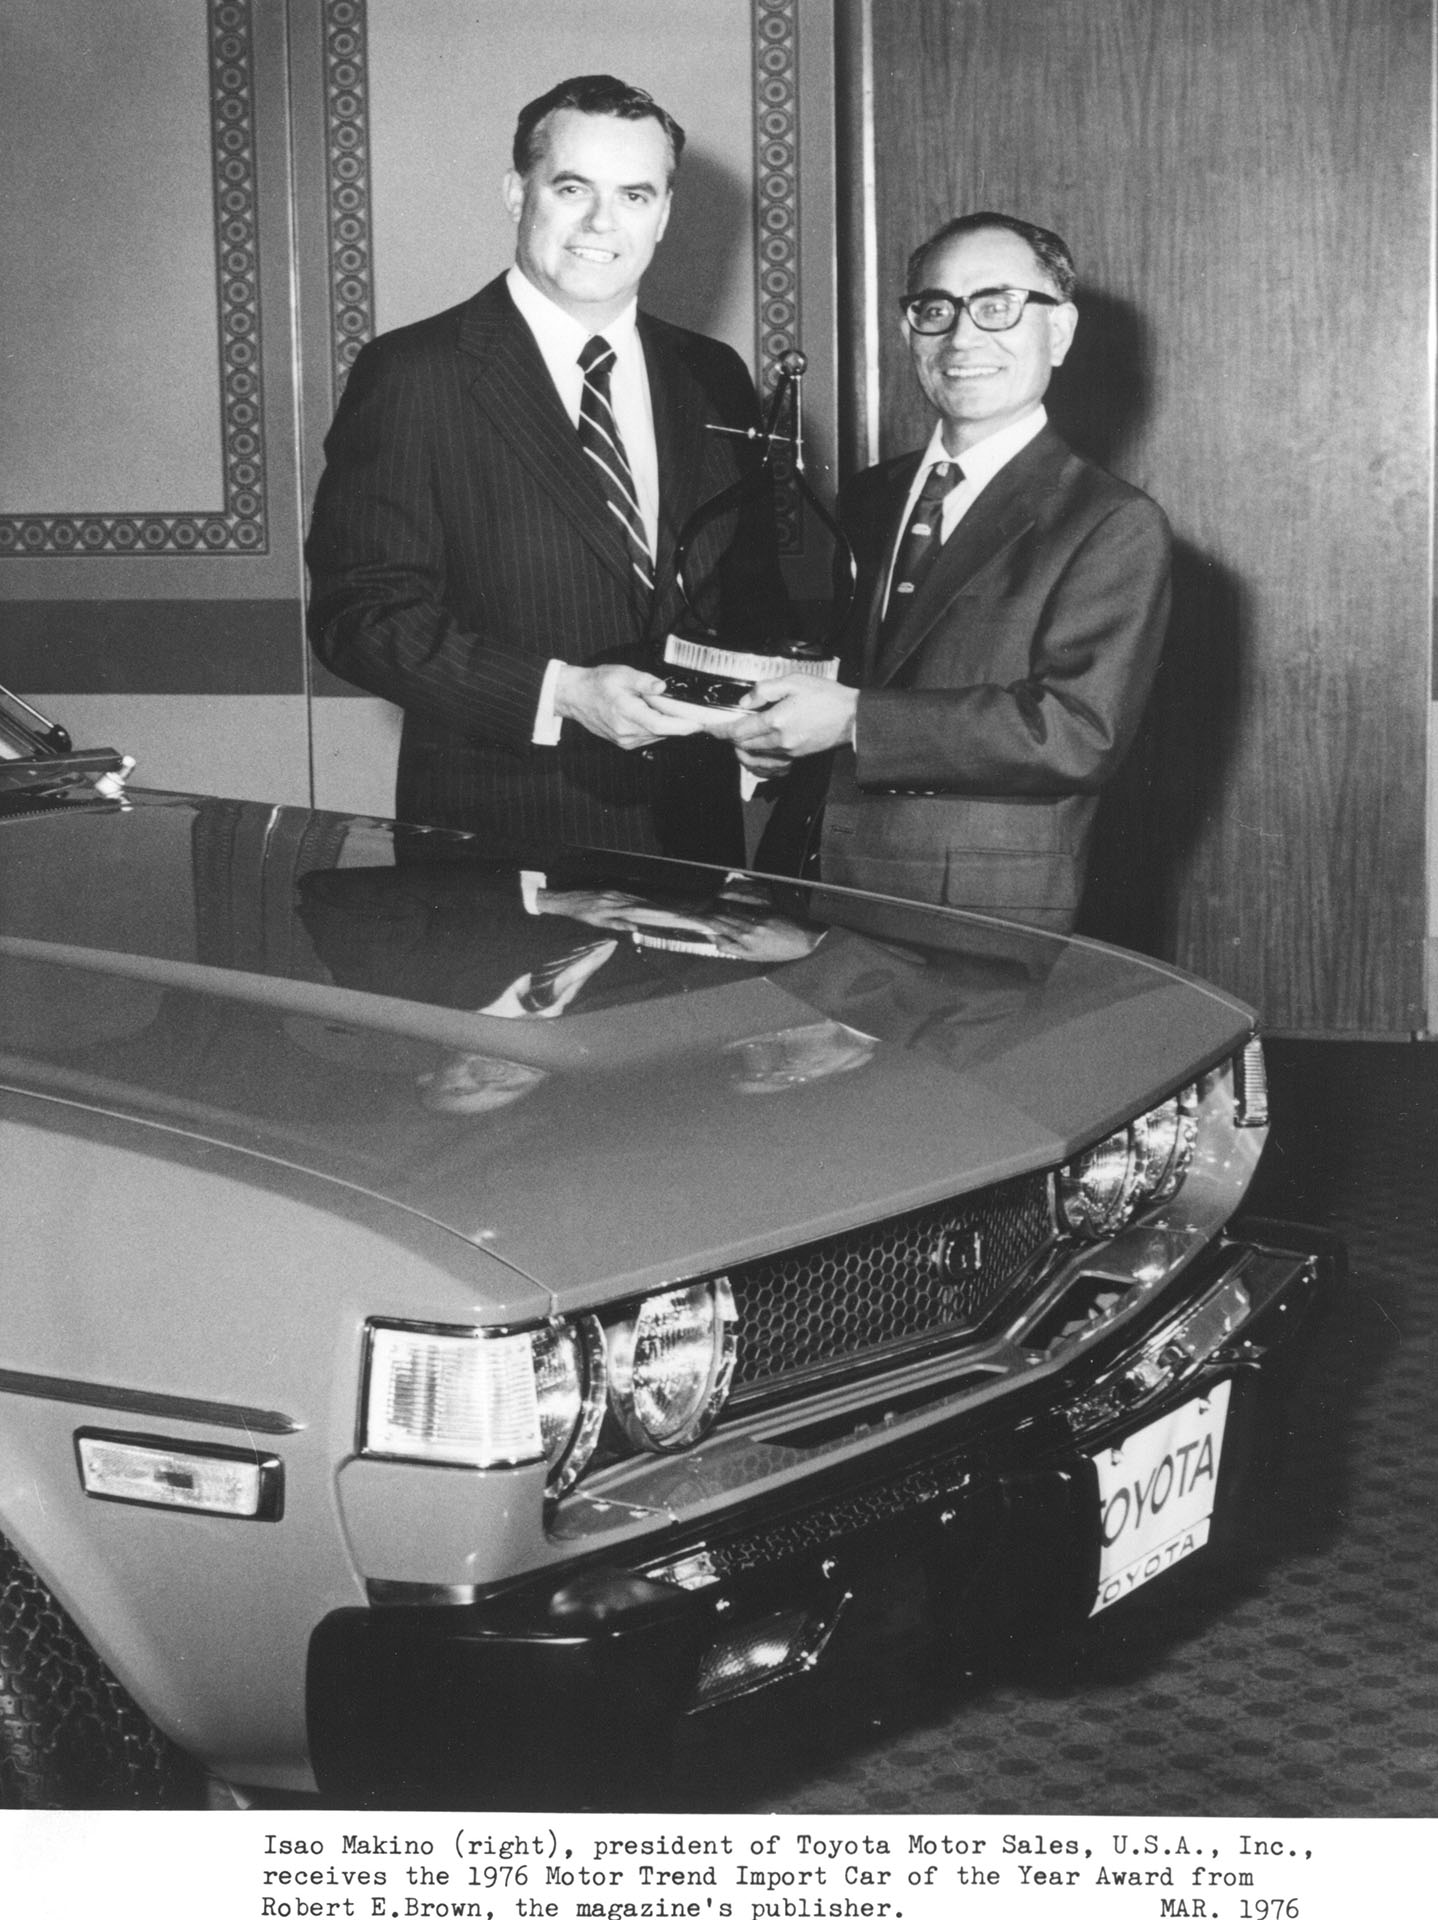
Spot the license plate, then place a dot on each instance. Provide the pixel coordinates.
(1156, 1495)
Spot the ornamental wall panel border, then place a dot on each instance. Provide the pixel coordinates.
(347, 184)
(776, 182)
(775, 87)
(241, 526)
(776, 213)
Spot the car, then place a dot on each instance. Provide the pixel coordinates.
(466, 1313)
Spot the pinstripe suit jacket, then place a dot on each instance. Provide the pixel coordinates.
(460, 541)
(1010, 693)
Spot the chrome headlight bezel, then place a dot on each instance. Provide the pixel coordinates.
(572, 1446)
(1137, 1166)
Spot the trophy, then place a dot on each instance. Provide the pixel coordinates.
(699, 668)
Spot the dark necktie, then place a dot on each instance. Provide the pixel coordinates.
(599, 437)
(920, 545)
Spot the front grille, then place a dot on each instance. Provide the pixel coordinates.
(858, 1293)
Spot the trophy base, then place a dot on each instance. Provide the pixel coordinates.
(709, 676)
(708, 690)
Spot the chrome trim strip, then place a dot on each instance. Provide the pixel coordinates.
(163, 1406)
(418, 1593)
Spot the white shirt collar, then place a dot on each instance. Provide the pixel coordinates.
(559, 334)
(979, 465)
(984, 460)
(560, 339)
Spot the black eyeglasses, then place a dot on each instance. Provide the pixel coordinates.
(992, 309)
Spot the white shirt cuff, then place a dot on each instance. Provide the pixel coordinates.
(547, 722)
(531, 885)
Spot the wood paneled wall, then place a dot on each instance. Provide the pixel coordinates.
(1246, 185)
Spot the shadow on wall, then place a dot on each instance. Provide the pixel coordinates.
(1151, 817)
(1102, 395)
(687, 281)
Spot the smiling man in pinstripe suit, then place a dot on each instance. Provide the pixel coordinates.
(493, 537)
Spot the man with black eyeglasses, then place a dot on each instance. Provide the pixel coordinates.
(1012, 604)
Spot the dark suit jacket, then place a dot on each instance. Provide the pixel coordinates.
(460, 541)
(1010, 693)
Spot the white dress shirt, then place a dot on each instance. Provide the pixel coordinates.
(979, 464)
(560, 339)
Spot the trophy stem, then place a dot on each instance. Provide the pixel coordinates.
(703, 669)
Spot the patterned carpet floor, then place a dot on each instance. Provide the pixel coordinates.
(1306, 1685)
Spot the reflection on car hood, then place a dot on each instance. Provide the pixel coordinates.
(607, 1071)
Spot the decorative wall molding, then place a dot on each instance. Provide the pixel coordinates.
(776, 197)
(347, 200)
(776, 181)
(776, 212)
(241, 526)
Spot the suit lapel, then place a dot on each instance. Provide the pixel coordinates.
(1004, 510)
(891, 506)
(511, 385)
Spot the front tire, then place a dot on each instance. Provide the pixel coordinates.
(70, 1735)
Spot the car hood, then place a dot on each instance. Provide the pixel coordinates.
(606, 1071)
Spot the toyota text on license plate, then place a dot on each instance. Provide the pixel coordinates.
(1156, 1495)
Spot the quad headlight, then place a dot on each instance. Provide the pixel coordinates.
(468, 1397)
(671, 1365)
(1142, 1163)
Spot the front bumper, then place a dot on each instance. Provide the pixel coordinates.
(999, 1516)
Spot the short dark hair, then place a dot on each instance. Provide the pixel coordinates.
(598, 93)
(1048, 249)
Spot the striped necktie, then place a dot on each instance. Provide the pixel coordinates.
(920, 545)
(599, 437)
